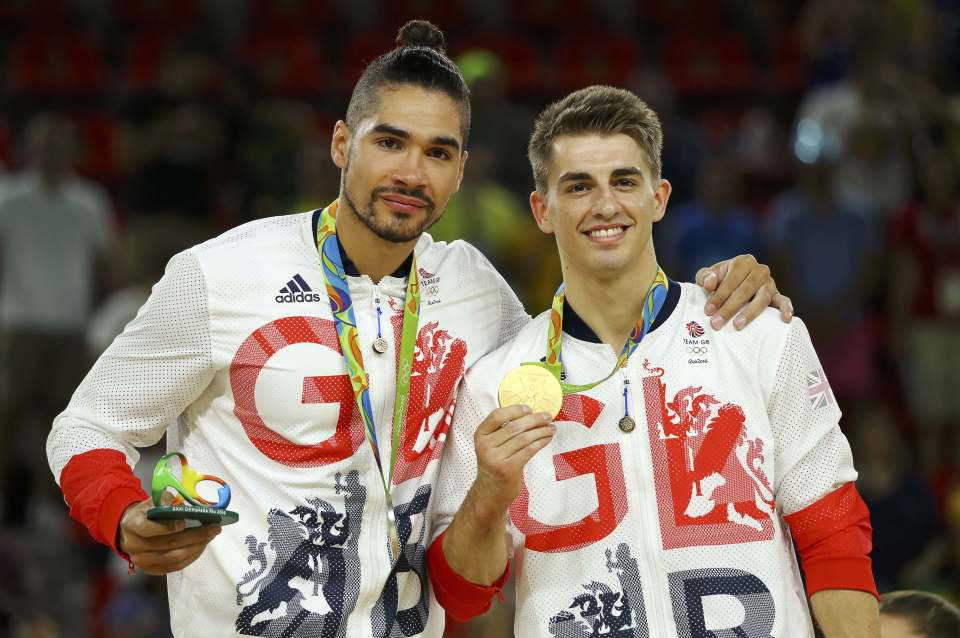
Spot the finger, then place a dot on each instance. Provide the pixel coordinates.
(522, 456)
(147, 528)
(740, 296)
(203, 534)
(718, 301)
(499, 417)
(707, 279)
(784, 305)
(516, 428)
(521, 441)
(759, 303)
(169, 561)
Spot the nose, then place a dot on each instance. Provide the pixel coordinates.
(410, 171)
(607, 204)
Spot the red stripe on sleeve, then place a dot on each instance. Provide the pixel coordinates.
(461, 599)
(834, 539)
(98, 486)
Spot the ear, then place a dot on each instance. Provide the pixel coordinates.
(463, 163)
(538, 206)
(661, 193)
(340, 143)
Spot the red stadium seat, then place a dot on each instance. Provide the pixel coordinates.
(552, 15)
(166, 15)
(361, 49)
(146, 53)
(96, 132)
(595, 59)
(291, 15)
(525, 73)
(56, 63)
(683, 15)
(791, 68)
(718, 65)
(287, 64)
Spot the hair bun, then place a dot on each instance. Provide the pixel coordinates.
(420, 33)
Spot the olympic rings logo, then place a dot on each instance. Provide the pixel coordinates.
(697, 350)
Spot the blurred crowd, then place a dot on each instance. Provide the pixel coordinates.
(823, 136)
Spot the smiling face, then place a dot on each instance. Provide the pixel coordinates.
(402, 163)
(601, 202)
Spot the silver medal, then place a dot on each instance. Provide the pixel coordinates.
(380, 345)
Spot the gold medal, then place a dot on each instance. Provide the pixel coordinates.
(533, 386)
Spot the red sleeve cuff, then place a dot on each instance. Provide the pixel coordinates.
(834, 539)
(98, 486)
(461, 599)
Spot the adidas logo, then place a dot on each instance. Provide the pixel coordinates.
(296, 291)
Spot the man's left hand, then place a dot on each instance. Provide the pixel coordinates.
(741, 285)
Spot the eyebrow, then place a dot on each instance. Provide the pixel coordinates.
(581, 176)
(440, 140)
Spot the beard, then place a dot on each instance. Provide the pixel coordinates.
(395, 228)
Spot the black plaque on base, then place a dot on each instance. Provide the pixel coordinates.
(205, 515)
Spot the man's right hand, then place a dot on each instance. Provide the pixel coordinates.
(505, 441)
(161, 547)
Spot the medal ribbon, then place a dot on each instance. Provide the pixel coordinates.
(652, 303)
(345, 320)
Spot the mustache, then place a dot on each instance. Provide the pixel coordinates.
(399, 190)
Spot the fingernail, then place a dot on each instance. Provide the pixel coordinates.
(717, 322)
(545, 415)
(710, 309)
(709, 275)
(739, 323)
(526, 409)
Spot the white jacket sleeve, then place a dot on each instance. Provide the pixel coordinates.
(151, 372)
(813, 456)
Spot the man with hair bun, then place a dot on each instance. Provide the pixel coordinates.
(311, 361)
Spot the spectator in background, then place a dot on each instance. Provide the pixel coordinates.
(687, 141)
(56, 232)
(500, 125)
(713, 225)
(910, 547)
(174, 170)
(924, 300)
(829, 255)
(917, 614)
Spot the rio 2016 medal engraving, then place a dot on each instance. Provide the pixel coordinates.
(534, 386)
(627, 424)
(380, 345)
(188, 504)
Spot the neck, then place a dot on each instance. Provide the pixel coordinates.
(371, 254)
(611, 306)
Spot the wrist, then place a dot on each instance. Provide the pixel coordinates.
(486, 512)
(119, 538)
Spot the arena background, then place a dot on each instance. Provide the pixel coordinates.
(822, 136)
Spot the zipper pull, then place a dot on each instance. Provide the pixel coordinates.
(380, 344)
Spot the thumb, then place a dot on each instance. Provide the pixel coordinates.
(166, 498)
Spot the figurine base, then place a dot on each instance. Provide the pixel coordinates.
(203, 515)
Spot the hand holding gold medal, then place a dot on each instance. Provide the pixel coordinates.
(533, 386)
(539, 385)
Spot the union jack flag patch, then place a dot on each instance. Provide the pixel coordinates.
(818, 389)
